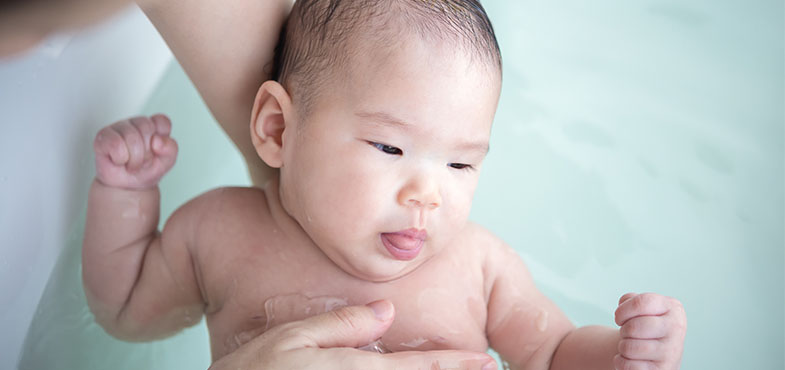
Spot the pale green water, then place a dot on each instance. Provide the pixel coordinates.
(638, 147)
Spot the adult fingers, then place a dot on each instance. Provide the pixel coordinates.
(352, 326)
(440, 360)
(647, 304)
(350, 358)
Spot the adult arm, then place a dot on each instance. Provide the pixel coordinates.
(226, 49)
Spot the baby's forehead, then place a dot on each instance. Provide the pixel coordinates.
(327, 41)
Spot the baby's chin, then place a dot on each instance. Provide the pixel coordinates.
(380, 269)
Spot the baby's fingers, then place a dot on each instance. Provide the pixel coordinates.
(647, 304)
(621, 363)
(165, 149)
(627, 297)
(642, 349)
(163, 125)
(110, 144)
(645, 327)
(135, 143)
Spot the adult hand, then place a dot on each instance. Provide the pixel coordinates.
(329, 341)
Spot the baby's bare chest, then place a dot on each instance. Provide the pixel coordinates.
(441, 305)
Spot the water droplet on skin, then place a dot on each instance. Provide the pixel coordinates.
(376, 346)
(133, 209)
(542, 321)
(293, 307)
(414, 343)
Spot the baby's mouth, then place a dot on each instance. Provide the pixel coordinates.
(404, 245)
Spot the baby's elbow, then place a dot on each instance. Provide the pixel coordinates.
(130, 328)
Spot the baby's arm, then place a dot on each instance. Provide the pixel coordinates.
(139, 283)
(530, 332)
(523, 325)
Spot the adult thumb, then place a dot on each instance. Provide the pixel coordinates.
(351, 326)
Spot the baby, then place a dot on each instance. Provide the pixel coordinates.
(378, 121)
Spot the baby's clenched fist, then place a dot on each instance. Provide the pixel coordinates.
(652, 332)
(135, 153)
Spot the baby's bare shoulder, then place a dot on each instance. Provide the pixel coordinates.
(483, 240)
(217, 213)
(231, 230)
(225, 202)
(483, 246)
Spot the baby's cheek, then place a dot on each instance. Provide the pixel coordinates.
(456, 209)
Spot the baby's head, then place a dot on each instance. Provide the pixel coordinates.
(379, 122)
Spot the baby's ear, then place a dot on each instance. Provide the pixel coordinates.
(268, 121)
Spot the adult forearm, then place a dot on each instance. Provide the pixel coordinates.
(226, 48)
(587, 348)
(120, 226)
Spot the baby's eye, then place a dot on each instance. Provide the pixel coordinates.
(461, 166)
(387, 148)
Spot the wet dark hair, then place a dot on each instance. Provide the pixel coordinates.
(321, 36)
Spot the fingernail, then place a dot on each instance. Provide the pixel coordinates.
(490, 365)
(382, 309)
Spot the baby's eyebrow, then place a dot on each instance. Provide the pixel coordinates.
(384, 118)
(481, 147)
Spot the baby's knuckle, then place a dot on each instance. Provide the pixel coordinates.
(636, 365)
(99, 139)
(675, 305)
(625, 364)
(624, 347)
(638, 303)
(632, 327)
(648, 299)
(632, 347)
(146, 127)
(672, 351)
(680, 325)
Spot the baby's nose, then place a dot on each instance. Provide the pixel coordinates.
(420, 193)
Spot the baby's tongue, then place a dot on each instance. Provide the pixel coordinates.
(402, 241)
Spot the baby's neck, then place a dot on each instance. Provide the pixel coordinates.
(281, 217)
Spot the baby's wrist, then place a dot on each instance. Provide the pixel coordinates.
(125, 187)
(128, 187)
